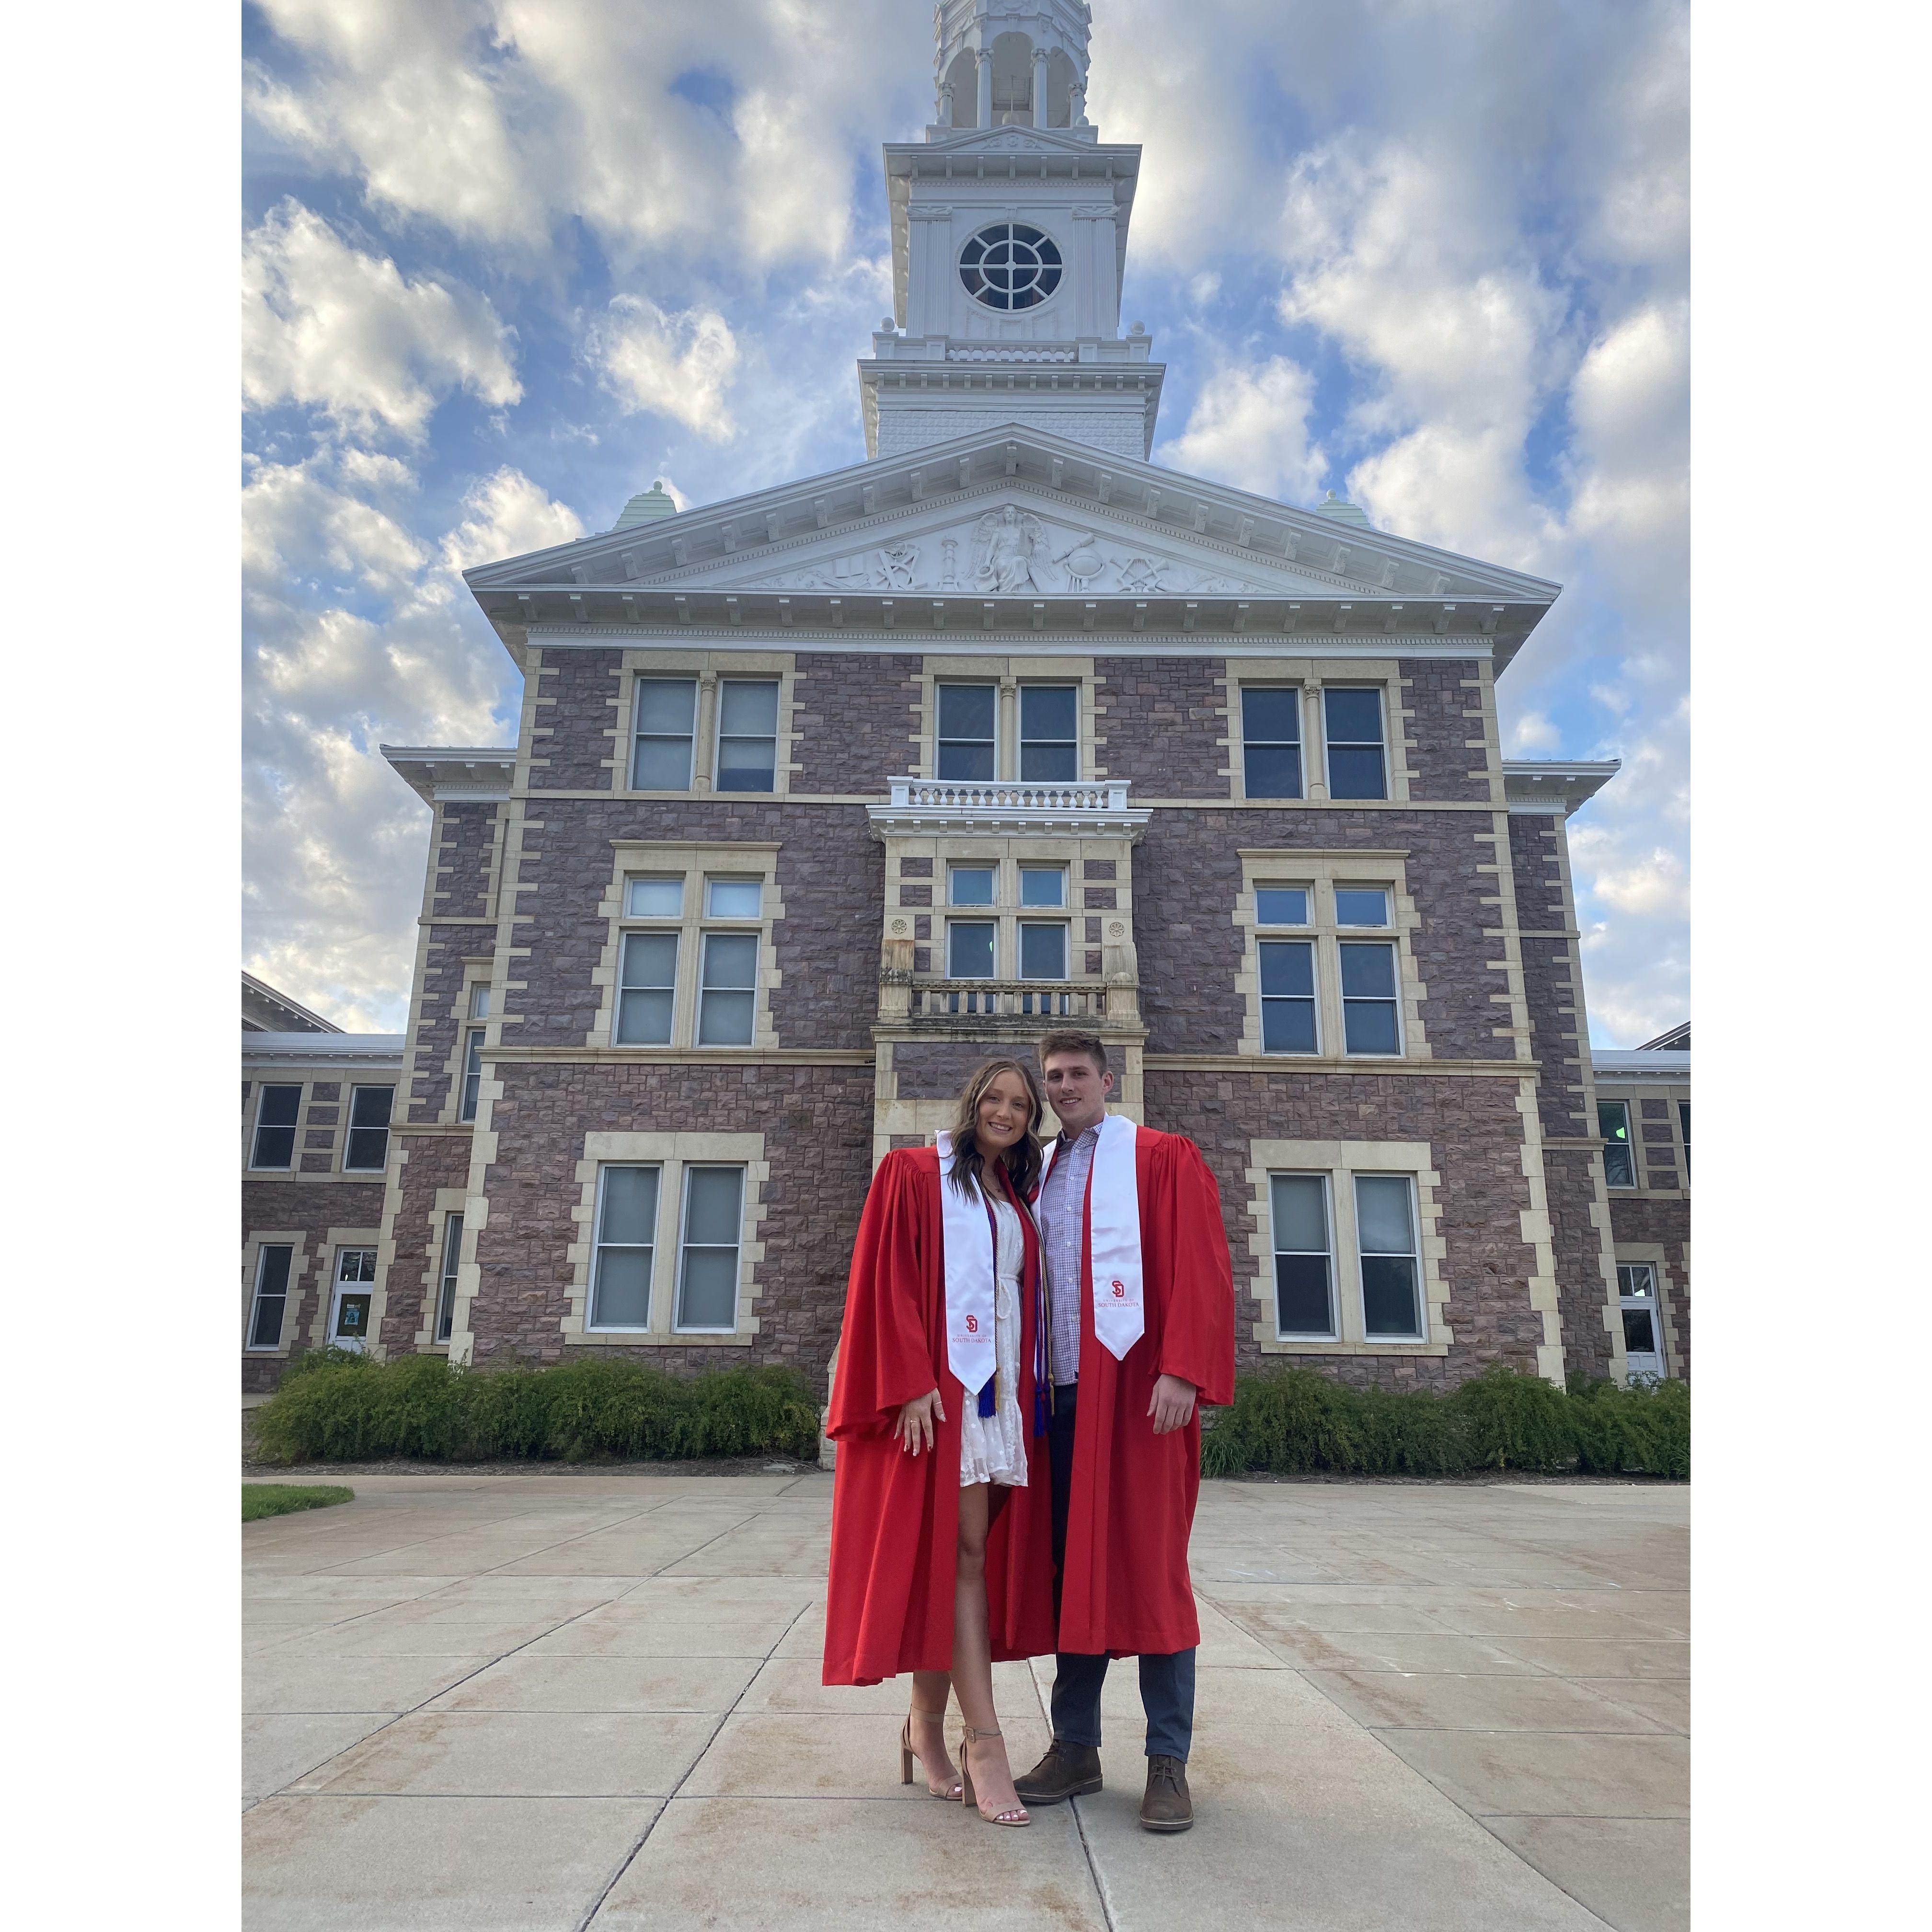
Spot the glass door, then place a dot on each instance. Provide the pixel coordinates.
(354, 1290)
(1643, 1319)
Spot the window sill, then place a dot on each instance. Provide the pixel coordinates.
(1273, 1345)
(659, 1338)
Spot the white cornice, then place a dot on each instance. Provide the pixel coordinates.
(1254, 642)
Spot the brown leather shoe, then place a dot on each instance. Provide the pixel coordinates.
(1167, 1806)
(1067, 1770)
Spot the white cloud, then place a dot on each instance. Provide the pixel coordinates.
(326, 325)
(680, 366)
(507, 515)
(1249, 427)
(294, 522)
(1533, 732)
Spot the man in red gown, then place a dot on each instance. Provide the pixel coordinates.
(1140, 1291)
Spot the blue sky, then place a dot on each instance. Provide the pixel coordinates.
(505, 261)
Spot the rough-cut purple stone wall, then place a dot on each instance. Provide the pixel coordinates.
(1440, 761)
(1570, 1189)
(938, 1069)
(463, 861)
(831, 877)
(440, 1020)
(856, 719)
(1556, 1029)
(1667, 1224)
(572, 737)
(1474, 1131)
(1161, 721)
(284, 1206)
(1187, 875)
(817, 1124)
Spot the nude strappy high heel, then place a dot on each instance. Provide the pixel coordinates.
(908, 1757)
(968, 1737)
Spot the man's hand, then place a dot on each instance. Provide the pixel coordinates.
(914, 1429)
(1173, 1403)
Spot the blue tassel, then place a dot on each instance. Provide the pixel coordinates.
(986, 1396)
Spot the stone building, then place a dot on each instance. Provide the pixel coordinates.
(820, 793)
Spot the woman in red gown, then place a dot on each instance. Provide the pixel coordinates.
(941, 1511)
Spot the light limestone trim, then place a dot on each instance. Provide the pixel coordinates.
(1658, 1256)
(672, 1153)
(707, 667)
(1538, 1234)
(1674, 1093)
(1006, 673)
(1309, 674)
(296, 1238)
(696, 859)
(1321, 870)
(334, 1241)
(1340, 1161)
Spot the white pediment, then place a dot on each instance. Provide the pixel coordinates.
(1015, 544)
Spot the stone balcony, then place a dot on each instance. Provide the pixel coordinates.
(1008, 807)
(921, 1003)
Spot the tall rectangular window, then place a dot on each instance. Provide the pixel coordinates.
(275, 1142)
(367, 1150)
(665, 711)
(271, 1295)
(969, 950)
(445, 1292)
(1354, 723)
(1288, 995)
(1303, 1255)
(1637, 1295)
(1049, 733)
(966, 715)
(1390, 1260)
(646, 989)
(1042, 951)
(620, 1272)
(1613, 1124)
(1271, 741)
(1369, 1022)
(1684, 1121)
(748, 735)
(473, 1073)
(727, 989)
(707, 1287)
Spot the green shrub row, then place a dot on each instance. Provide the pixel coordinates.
(334, 1406)
(1300, 1423)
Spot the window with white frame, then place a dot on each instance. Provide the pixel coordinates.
(1288, 995)
(1363, 906)
(273, 1144)
(728, 978)
(664, 721)
(966, 718)
(646, 989)
(1282, 905)
(1613, 1125)
(748, 734)
(1304, 1255)
(626, 1248)
(708, 1245)
(272, 1264)
(969, 949)
(1049, 733)
(1352, 724)
(1390, 1259)
(1271, 741)
(473, 1073)
(366, 1150)
(1637, 1295)
(452, 1257)
(970, 885)
(1370, 1003)
(687, 961)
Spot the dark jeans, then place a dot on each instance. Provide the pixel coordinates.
(1167, 1683)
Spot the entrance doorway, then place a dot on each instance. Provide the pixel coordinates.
(1643, 1319)
(355, 1292)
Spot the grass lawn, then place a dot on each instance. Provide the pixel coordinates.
(259, 1499)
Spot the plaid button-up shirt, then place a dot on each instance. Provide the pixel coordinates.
(1061, 1213)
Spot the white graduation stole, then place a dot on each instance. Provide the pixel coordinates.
(967, 1237)
(1113, 1229)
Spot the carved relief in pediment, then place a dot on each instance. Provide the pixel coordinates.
(1010, 552)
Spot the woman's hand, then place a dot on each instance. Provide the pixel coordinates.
(914, 1428)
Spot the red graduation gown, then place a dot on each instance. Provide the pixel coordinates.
(895, 1516)
(1125, 1588)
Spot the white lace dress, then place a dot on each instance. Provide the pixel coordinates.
(992, 1448)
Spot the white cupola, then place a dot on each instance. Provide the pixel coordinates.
(1010, 242)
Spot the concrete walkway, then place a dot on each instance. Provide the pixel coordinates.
(566, 1699)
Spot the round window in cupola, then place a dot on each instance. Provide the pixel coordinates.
(1010, 266)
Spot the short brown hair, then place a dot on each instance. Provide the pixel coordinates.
(1073, 1042)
